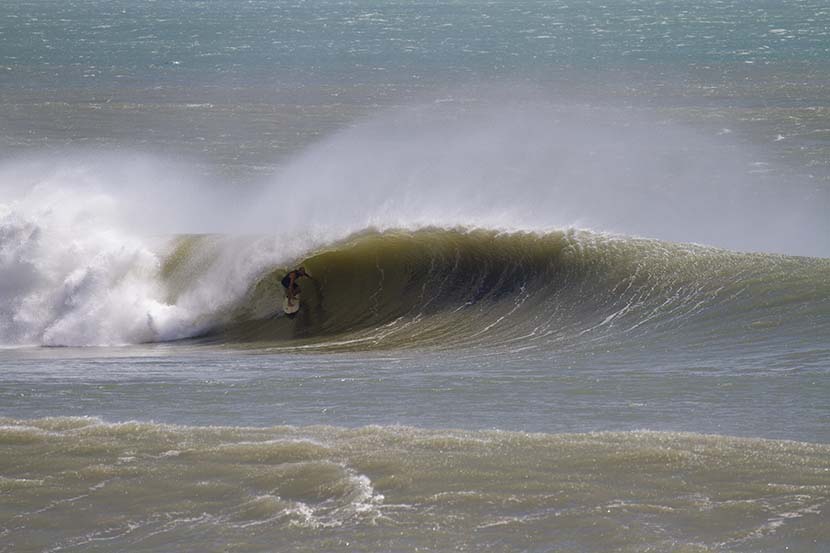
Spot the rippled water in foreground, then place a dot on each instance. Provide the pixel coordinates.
(533, 324)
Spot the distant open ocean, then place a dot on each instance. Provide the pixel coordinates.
(571, 271)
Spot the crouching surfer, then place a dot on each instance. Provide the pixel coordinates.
(289, 281)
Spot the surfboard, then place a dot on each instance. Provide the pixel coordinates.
(293, 307)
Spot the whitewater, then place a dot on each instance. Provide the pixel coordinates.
(114, 248)
(571, 277)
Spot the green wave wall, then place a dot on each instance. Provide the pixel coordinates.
(461, 287)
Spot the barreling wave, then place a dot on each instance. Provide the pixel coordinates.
(451, 288)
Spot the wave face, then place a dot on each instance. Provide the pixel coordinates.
(433, 287)
(129, 249)
(89, 253)
(379, 489)
(523, 291)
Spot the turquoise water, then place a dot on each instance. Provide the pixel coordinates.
(179, 43)
(571, 281)
(279, 75)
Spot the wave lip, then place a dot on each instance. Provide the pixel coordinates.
(427, 287)
(450, 288)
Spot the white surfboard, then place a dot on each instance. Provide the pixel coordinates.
(293, 307)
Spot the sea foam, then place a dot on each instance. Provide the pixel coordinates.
(85, 234)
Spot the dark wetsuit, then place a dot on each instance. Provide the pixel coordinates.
(286, 280)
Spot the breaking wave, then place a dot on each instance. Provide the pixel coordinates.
(399, 288)
(459, 287)
(423, 227)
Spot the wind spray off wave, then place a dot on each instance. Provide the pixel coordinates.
(91, 253)
(82, 248)
(569, 318)
(536, 166)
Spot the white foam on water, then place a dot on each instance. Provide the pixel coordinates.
(360, 503)
(82, 244)
(364, 498)
(84, 234)
(774, 523)
(306, 516)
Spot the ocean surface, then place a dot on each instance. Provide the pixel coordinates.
(571, 276)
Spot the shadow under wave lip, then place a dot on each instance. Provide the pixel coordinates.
(456, 288)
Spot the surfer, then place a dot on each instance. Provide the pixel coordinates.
(290, 283)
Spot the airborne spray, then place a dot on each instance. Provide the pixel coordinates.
(540, 166)
(86, 236)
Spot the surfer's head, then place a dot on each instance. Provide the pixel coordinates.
(301, 271)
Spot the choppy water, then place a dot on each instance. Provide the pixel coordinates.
(275, 488)
(571, 281)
